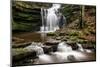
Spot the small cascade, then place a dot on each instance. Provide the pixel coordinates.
(44, 58)
(63, 47)
(83, 50)
(64, 53)
(80, 47)
(36, 47)
(39, 50)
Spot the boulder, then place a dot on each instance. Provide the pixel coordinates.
(51, 43)
(73, 45)
(62, 34)
(47, 50)
(20, 54)
(54, 48)
(71, 58)
(58, 38)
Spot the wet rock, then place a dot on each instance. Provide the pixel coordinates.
(21, 45)
(73, 45)
(17, 40)
(51, 34)
(71, 58)
(37, 43)
(58, 38)
(51, 43)
(62, 34)
(82, 41)
(20, 54)
(47, 50)
(88, 46)
(63, 39)
(54, 48)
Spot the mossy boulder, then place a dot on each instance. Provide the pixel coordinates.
(21, 53)
(82, 41)
(73, 33)
(51, 34)
(62, 34)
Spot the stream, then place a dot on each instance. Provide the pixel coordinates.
(64, 53)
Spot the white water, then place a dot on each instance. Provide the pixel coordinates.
(64, 54)
(36, 47)
(63, 47)
(80, 47)
(50, 19)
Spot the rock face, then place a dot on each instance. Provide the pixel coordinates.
(26, 15)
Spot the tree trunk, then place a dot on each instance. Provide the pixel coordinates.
(82, 11)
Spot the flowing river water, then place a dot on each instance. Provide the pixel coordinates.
(64, 52)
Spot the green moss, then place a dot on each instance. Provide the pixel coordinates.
(20, 26)
(73, 33)
(18, 51)
(21, 53)
(82, 41)
(73, 38)
(21, 45)
(51, 34)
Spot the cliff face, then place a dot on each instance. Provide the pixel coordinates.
(26, 16)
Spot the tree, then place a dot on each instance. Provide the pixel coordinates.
(82, 12)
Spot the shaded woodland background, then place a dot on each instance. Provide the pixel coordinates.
(81, 22)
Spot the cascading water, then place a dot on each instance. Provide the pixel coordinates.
(63, 47)
(50, 19)
(39, 50)
(36, 47)
(80, 47)
(64, 53)
(43, 28)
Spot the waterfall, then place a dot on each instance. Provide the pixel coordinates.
(42, 17)
(50, 19)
